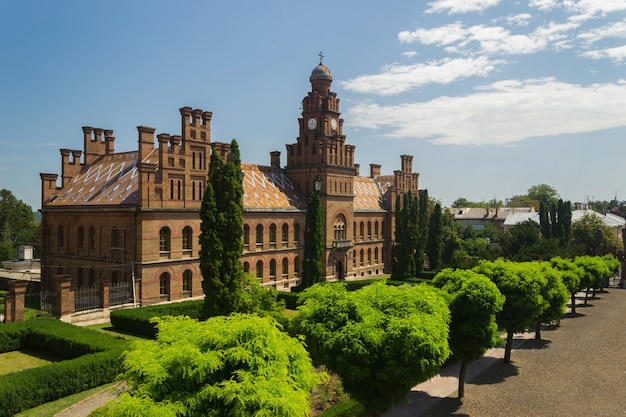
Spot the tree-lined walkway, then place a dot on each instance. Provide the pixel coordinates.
(576, 370)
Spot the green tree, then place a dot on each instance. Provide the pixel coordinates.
(523, 292)
(435, 238)
(597, 269)
(381, 340)
(544, 194)
(586, 230)
(555, 293)
(17, 225)
(450, 239)
(423, 221)
(571, 274)
(313, 241)
(406, 235)
(238, 365)
(474, 303)
(221, 246)
(522, 201)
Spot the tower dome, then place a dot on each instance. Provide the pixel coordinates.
(321, 72)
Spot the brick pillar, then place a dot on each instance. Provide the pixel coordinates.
(105, 288)
(9, 302)
(65, 295)
(18, 292)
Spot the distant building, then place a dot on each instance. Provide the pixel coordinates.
(134, 216)
(477, 218)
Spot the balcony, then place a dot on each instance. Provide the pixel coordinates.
(341, 244)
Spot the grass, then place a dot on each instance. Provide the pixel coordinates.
(17, 361)
(106, 328)
(51, 408)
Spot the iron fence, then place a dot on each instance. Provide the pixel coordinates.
(120, 293)
(48, 302)
(87, 298)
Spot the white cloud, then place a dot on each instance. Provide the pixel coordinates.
(501, 113)
(521, 19)
(396, 79)
(589, 9)
(613, 30)
(544, 5)
(492, 40)
(456, 6)
(410, 54)
(617, 54)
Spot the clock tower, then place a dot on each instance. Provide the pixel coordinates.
(321, 161)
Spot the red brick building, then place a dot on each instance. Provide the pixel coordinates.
(134, 216)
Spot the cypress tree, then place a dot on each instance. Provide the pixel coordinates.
(422, 230)
(435, 238)
(221, 246)
(313, 241)
(544, 221)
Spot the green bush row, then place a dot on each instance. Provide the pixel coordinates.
(290, 298)
(99, 364)
(350, 408)
(137, 320)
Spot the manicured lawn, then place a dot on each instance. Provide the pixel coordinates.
(18, 361)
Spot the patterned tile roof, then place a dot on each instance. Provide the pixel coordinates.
(110, 180)
(269, 188)
(367, 194)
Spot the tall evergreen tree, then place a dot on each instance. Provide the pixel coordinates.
(221, 246)
(313, 241)
(435, 238)
(423, 220)
(544, 221)
(406, 236)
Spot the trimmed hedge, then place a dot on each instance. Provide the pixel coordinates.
(91, 359)
(350, 408)
(290, 299)
(137, 320)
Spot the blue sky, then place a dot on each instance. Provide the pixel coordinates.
(490, 97)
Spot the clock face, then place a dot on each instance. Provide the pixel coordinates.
(312, 123)
(333, 124)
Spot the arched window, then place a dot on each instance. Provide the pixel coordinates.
(369, 230)
(115, 238)
(361, 257)
(246, 267)
(285, 237)
(296, 234)
(259, 235)
(354, 259)
(273, 269)
(246, 236)
(285, 272)
(187, 281)
(187, 240)
(91, 278)
(91, 238)
(165, 243)
(60, 237)
(259, 269)
(375, 255)
(354, 231)
(376, 230)
(369, 256)
(340, 227)
(296, 266)
(80, 277)
(80, 237)
(273, 235)
(164, 286)
(361, 230)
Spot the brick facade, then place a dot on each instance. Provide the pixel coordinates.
(134, 216)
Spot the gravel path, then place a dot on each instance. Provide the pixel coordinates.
(577, 369)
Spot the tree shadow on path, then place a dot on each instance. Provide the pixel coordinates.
(496, 373)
